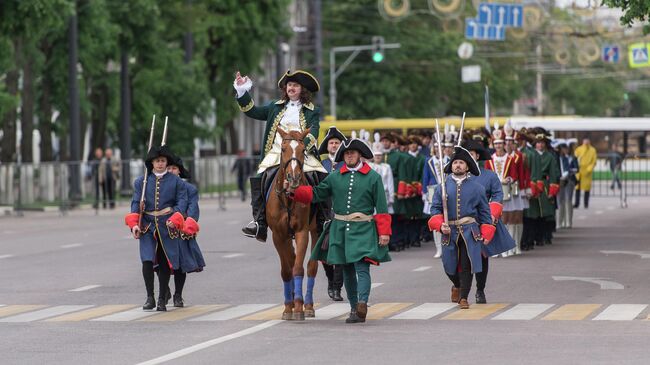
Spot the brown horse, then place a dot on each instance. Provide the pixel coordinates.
(288, 221)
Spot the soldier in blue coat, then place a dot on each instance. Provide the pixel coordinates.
(329, 146)
(162, 223)
(190, 253)
(502, 241)
(469, 227)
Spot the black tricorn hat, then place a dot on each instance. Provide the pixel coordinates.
(333, 132)
(476, 146)
(462, 154)
(155, 152)
(304, 78)
(178, 162)
(353, 144)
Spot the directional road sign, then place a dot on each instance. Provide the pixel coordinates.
(505, 15)
(486, 32)
(611, 54)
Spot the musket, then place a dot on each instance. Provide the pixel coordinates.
(164, 138)
(144, 182)
(487, 108)
(462, 127)
(442, 174)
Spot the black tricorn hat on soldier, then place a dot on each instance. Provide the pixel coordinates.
(304, 78)
(476, 146)
(353, 144)
(333, 132)
(155, 152)
(462, 154)
(178, 162)
(541, 135)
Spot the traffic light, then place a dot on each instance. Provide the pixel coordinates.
(377, 49)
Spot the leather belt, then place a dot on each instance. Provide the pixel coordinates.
(462, 221)
(354, 217)
(157, 213)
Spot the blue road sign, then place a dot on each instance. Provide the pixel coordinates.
(611, 54)
(485, 32)
(504, 15)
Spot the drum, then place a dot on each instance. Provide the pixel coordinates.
(507, 193)
(515, 189)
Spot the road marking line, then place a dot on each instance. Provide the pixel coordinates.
(425, 311)
(15, 309)
(269, 314)
(422, 268)
(641, 254)
(210, 343)
(233, 312)
(524, 312)
(130, 315)
(91, 313)
(375, 285)
(332, 311)
(572, 312)
(476, 311)
(84, 288)
(6, 256)
(604, 284)
(45, 313)
(599, 212)
(72, 245)
(183, 313)
(232, 255)
(620, 312)
(383, 310)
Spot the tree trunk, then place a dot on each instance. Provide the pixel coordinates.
(27, 111)
(8, 149)
(99, 116)
(45, 108)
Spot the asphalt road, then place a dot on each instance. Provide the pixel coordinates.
(71, 291)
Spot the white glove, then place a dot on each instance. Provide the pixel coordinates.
(242, 89)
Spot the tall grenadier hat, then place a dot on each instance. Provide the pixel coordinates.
(353, 144)
(498, 135)
(461, 153)
(509, 131)
(332, 132)
(304, 78)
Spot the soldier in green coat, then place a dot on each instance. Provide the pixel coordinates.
(294, 111)
(361, 228)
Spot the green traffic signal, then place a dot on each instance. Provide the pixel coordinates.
(377, 57)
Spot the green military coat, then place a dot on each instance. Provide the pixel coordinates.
(398, 164)
(542, 167)
(359, 191)
(272, 113)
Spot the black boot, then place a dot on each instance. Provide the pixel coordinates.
(162, 307)
(178, 301)
(577, 203)
(586, 199)
(257, 228)
(480, 297)
(337, 295)
(330, 290)
(150, 303)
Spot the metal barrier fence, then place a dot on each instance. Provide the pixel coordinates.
(631, 179)
(48, 185)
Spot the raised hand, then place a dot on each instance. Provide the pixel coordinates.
(239, 80)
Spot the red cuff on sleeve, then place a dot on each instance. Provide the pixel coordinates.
(540, 186)
(435, 222)
(191, 227)
(553, 189)
(487, 231)
(131, 219)
(401, 188)
(418, 188)
(383, 221)
(410, 191)
(533, 189)
(496, 209)
(303, 194)
(178, 220)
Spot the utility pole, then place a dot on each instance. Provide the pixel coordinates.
(539, 86)
(125, 120)
(318, 40)
(334, 73)
(75, 126)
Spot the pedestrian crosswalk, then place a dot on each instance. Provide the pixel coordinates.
(132, 313)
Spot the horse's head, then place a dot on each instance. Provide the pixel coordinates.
(293, 156)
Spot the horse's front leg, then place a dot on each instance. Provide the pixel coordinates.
(302, 242)
(287, 258)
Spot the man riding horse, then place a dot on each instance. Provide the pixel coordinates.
(294, 111)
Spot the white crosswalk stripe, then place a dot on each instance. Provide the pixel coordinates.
(524, 312)
(422, 268)
(45, 313)
(620, 312)
(375, 285)
(233, 312)
(130, 315)
(332, 311)
(426, 311)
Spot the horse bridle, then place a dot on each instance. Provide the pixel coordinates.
(286, 164)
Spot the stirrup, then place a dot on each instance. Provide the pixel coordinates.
(252, 225)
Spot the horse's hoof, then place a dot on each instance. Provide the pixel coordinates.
(299, 316)
(310, 313)
(287, 316)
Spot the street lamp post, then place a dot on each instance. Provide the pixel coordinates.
(334, 72)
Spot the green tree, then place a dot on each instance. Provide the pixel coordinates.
(633, 11)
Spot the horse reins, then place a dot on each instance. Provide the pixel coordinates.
(290, 180)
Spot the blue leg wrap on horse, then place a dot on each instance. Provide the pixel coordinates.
(309, 296)
(297, 287)
(288, 291)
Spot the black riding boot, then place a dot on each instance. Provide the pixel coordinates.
(257, 228)
(577, 203)
(586, 199)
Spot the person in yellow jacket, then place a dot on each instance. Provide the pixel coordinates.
(586, 155)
